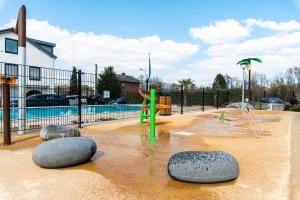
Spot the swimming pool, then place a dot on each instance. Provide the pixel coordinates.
(61, 111)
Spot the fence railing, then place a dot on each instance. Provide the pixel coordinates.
(65, 97)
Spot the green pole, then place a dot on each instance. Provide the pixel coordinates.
(222, 117)
(142, 114)
(152, 115)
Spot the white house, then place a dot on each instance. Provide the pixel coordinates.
(40, 60)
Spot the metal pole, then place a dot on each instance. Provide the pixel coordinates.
(264, 93)
(243, 88)
(217, 99)
(6, 114)
(21, 31)
(228, 94)
(249, 86)
(181, 100)
(147, 84)
(147, 88)
(96, 73)
(203, 99)
(293, 95)
(79, 98)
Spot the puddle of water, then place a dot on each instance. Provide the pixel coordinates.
(127, 158)
(214, 127)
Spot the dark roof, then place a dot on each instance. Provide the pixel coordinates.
(271, 100)
(128, 79)
(43, 42)
(8, 30)
(34, 42)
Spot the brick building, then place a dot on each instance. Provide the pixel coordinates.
(128, 83)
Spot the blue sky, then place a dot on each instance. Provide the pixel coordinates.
(169, 20)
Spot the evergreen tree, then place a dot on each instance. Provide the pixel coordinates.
(73, 82)
(219, 82)
(108, 80)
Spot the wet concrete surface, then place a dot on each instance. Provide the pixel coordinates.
(138, 167)
(129, 159)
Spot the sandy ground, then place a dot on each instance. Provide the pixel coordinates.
(295, 159)
(126, 166)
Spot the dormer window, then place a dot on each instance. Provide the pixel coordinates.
(11, 46)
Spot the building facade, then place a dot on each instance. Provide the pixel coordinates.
(128, 84)
(40, 59)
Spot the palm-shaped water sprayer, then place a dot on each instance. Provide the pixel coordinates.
(246, 63)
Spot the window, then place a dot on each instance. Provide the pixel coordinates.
(34, 73)
(11, 70)
(11, 46)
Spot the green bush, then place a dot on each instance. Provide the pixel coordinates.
(296, 108)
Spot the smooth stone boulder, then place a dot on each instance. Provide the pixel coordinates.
(64, 152)
(203, 166)
(52, 131)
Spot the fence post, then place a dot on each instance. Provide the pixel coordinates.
(203, 99)
(79, 98)
(264, 93)
(228, 95)
(58, 92)
(6, 114)
(217, 99)
(181, 100)
(293, 95)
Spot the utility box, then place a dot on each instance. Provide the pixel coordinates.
(272, 106)
(165, 100)
(272, 103)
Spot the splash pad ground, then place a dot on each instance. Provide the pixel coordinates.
(126, 166)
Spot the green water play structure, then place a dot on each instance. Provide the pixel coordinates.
(246, 63)
(153, 109)
(149, 111)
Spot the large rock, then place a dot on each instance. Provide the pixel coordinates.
(64, 152)
(203, 166)
(52, 131)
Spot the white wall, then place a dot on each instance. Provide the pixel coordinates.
(34, 57)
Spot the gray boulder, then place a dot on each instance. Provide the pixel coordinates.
(203, 166)
(64, 152)
(52, 131)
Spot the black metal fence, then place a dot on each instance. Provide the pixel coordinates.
(57, 96)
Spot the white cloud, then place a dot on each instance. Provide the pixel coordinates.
(270, 44)
(126, 54)
(278, 52)
(273, 25)
(224, 31)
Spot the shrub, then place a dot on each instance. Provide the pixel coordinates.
(296, 108)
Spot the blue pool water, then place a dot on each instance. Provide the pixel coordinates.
(41, 112)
